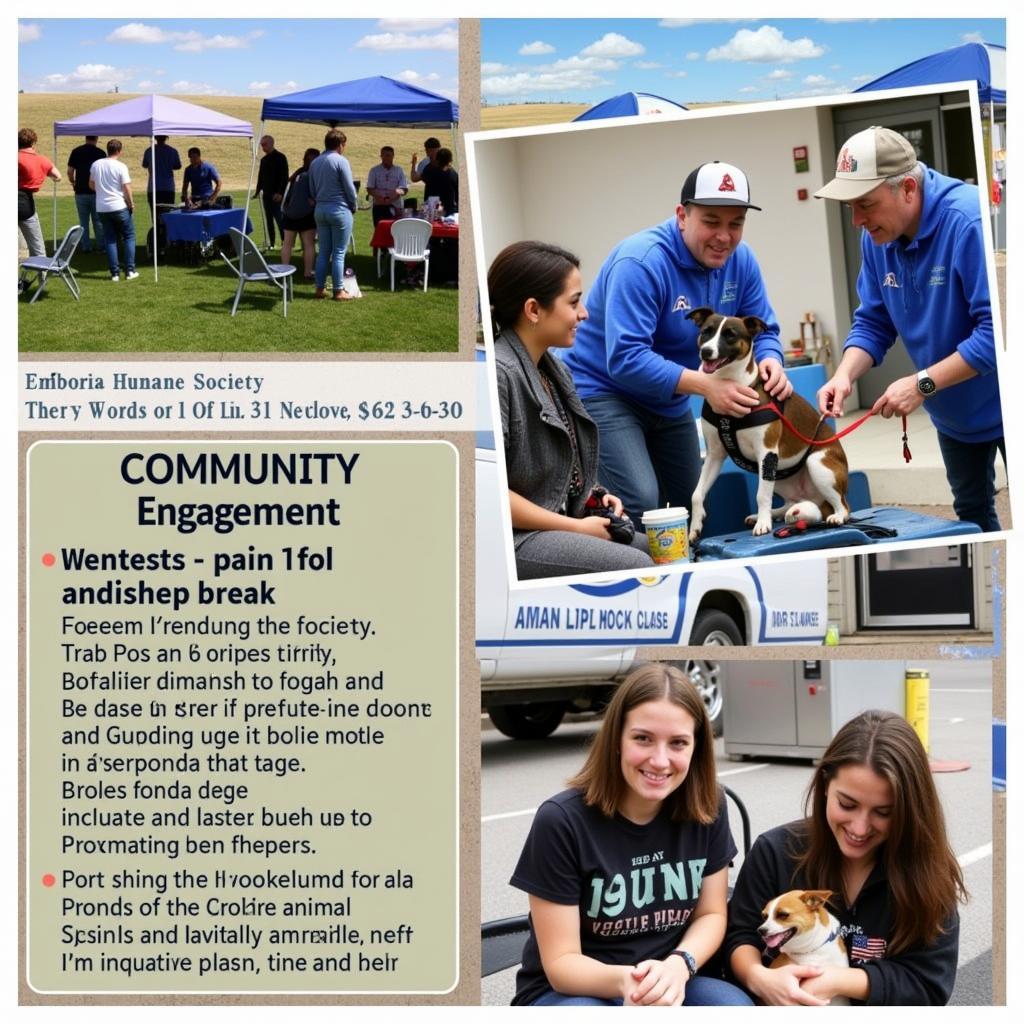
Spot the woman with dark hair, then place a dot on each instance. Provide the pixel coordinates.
(627, 869)
(298, 216)
(550, 442)
(875, 836)
(441, 179)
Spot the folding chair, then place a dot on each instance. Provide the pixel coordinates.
(410, 237)
(59, 263)
(253, 267)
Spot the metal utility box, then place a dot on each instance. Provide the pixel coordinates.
(794, 708)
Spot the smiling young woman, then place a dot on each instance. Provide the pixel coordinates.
(627, 869)
(875, 836)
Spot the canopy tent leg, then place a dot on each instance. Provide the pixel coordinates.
(252, 175)
(54, 195)
(153, 213)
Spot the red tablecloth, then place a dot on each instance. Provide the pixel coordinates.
(382, 233)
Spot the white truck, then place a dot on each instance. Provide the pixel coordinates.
(553, 650)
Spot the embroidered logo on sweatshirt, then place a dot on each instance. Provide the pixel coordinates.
(938, 276)
(729, 290)
(890, 281)
(682, 303)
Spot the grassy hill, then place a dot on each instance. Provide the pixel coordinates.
(525, 115)
(232, 157)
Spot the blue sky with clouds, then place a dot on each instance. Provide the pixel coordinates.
(236, 57)
(584, 61)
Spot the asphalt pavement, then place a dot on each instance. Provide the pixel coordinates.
(518, 776)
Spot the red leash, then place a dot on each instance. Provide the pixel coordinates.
(816, 443)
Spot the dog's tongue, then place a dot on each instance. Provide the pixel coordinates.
(773, 941)
(711, 367)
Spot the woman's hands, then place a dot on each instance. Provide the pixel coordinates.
(786, 986)
(656, 983)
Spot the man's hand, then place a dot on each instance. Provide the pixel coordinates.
(728, 398)
(832, 396)
(776, 383)
(900, 399)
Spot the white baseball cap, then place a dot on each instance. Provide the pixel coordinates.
(717, 184)
(865, 161)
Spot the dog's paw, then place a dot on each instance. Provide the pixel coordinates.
(838, 518)
(694, 535)
(763, 525)
(808, 511)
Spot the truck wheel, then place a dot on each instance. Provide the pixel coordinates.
(527, 721)
(713, 628)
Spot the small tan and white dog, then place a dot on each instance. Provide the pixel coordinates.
(799, 926)
(812, 479)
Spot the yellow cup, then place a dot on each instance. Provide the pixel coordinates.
(667, 530)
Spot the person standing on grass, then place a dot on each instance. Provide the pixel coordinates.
(80, 162)
(167, 162)
(334, 193)
(430, 146)
(114, 204)
(271, 183)
(33, 170)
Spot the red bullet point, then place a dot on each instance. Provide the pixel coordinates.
(49, 559)
(49, 880)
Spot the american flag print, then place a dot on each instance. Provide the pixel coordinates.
(866, 947)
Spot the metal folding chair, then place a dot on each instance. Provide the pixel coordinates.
(410, 237)
(59, 263)
(253, 267)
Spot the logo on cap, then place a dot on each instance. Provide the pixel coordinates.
(727, 184)
(846, 163)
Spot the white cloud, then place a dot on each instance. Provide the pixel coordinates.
(765, 45)
(613, 45)
(825, 90)
(536, 49)
(446, 39)
(198, 89)
(583, 64)
(677, 74)
(490, 67)
(779, 75)
(972, 37)
(272, 88)
(85, 78)
(749, 88)
(136, 32)
(412, 24)
(147, 86)
(862, 78)
(197, 43)
(817, 80)
(647, 65)
(28, 33)
(415, 78)
(544, 81)
(186, 42)
(693, 55)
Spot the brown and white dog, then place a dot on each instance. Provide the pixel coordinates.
(816, 490)
(799, 926)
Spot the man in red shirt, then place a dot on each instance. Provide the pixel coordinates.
(33, 170)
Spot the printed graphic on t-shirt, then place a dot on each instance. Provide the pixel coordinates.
(862, 947)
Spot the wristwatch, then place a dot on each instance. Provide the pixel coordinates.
(925, 385)
(691, 964)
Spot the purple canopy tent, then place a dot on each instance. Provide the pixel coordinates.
(152, 116)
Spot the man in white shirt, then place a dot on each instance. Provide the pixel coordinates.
(386, 184)
(114, 203)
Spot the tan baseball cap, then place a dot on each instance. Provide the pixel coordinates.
(865, 161)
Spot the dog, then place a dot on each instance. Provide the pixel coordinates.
(799, 926)
(812, 479)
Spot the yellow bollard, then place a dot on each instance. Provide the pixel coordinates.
(917, 684)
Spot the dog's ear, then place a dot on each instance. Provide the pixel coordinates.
(755, 325)
(699, 315)
(816, 898)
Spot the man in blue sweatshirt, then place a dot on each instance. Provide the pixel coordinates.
(635, 361)
(923, 276)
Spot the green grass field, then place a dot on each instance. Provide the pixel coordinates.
(188, 310)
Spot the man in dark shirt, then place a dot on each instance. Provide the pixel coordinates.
(167, 162)
(80, 161)
(272, 181)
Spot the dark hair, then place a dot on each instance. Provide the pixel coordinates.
(26, 138)
(388, 149)
(196, 150)
(432, 143)
(923, 875)
(443, 157)
(601, 780)
(113, 146)
(526, 270)
(161, 138)
(334, 139)
(310, 155)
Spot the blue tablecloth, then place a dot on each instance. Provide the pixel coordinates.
(202, 225)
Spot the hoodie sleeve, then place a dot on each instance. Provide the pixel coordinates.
(763, 876)
(633, 307)
(873, 329)
(924, 976)
(978, 348)
(754, 302)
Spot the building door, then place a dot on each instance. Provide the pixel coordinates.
(918, 119)
(919, 588)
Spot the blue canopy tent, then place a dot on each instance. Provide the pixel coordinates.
(367, 102)
(630, 104)
(984, 63)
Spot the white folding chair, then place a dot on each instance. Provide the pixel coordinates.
(253, 267)
(59, 263)
(410, 237)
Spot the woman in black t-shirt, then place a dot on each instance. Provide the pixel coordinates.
(441, 179)
(627, 870)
